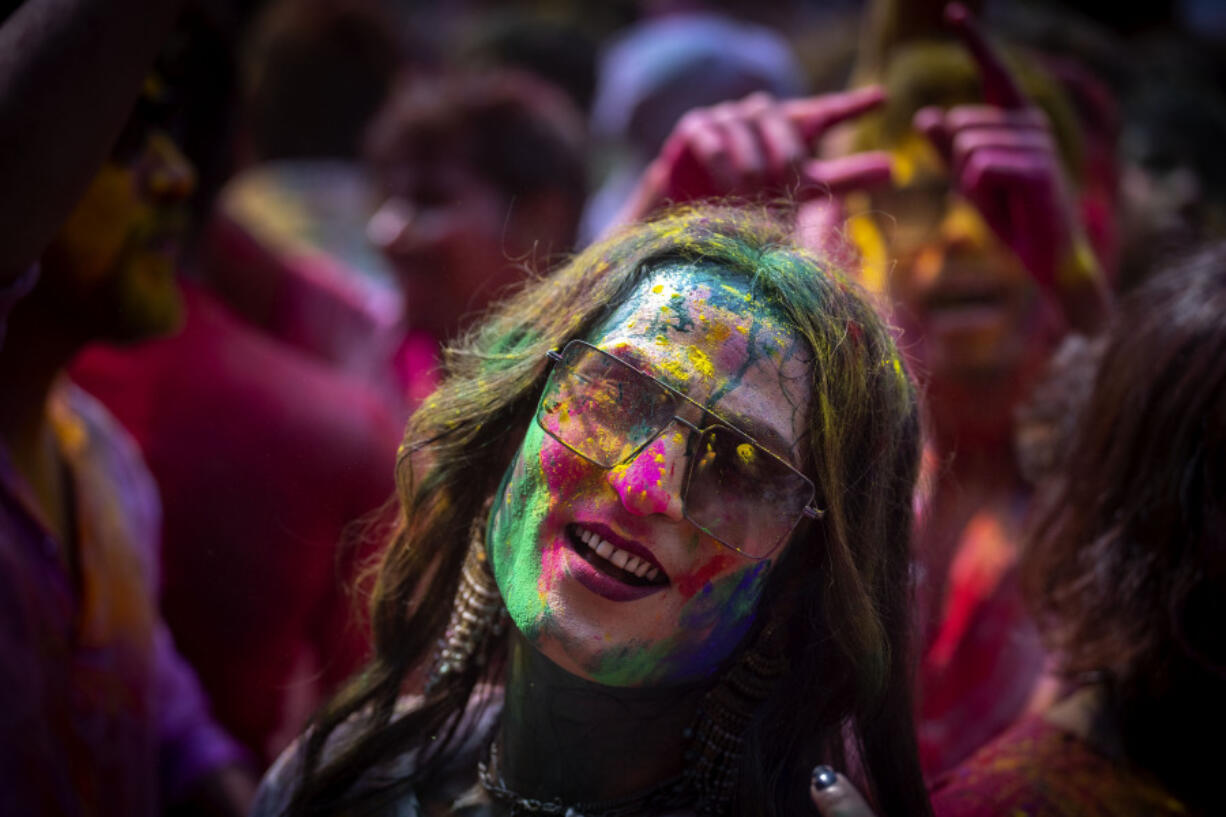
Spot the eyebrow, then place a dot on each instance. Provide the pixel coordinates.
(770, 437)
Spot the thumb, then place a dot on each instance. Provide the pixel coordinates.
(834, 795)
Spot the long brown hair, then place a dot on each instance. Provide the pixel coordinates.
(1127, 569)
(846, 578)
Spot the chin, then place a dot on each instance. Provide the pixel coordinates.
(146, 318)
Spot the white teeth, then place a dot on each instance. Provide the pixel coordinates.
(606, 550)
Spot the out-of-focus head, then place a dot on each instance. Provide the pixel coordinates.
(110, 270)
(1173, 174)
(665, 66)
(1128, 570)
(481, 174)
(969, 310)
(314, 72)
(560, 52)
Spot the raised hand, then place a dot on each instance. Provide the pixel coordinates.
(1003, 159)
(759, 147)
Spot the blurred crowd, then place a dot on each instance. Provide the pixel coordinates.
(221, 303)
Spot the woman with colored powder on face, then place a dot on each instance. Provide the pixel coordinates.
(966, 221)
(652, 555)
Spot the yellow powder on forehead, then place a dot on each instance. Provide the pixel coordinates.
(658, 288)
(718, 332)
(913, 156)
(734, 291)
(700, 361)
(963, 220)
(676, 370)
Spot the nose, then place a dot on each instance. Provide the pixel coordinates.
(651, 482)
(391, 225)
(962, 227)
(168, 175)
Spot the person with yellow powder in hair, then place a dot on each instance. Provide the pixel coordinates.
(958, 187)
(988, 266)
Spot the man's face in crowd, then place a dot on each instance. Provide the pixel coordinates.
(112, 264)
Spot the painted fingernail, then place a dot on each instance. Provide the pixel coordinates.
(824, 777)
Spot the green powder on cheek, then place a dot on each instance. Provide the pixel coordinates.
(514, 538)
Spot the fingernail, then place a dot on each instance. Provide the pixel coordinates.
(824, 777)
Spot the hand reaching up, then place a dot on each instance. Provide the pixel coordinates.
(759, 148)
(1003, 158)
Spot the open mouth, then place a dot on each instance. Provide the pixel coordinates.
(626, 562)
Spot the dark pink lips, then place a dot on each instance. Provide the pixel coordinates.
(606, 579)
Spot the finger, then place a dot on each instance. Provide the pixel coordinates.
(997, 181)
(858, 171)
(702, 161)
(989, 116)
(815, 114)
(999, 87)
(1038, 144)
(931, 122)
(1004, 168)
(781, 144)
(744, 152)
(834, 795)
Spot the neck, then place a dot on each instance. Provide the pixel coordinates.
(568, 738)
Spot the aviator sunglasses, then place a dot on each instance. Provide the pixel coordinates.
(735, 490)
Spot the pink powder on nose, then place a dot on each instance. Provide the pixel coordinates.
(641, 481)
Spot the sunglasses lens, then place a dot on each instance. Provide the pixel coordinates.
(601, 407)
(742, 495)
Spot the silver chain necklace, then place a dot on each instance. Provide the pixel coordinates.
(669, 795)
